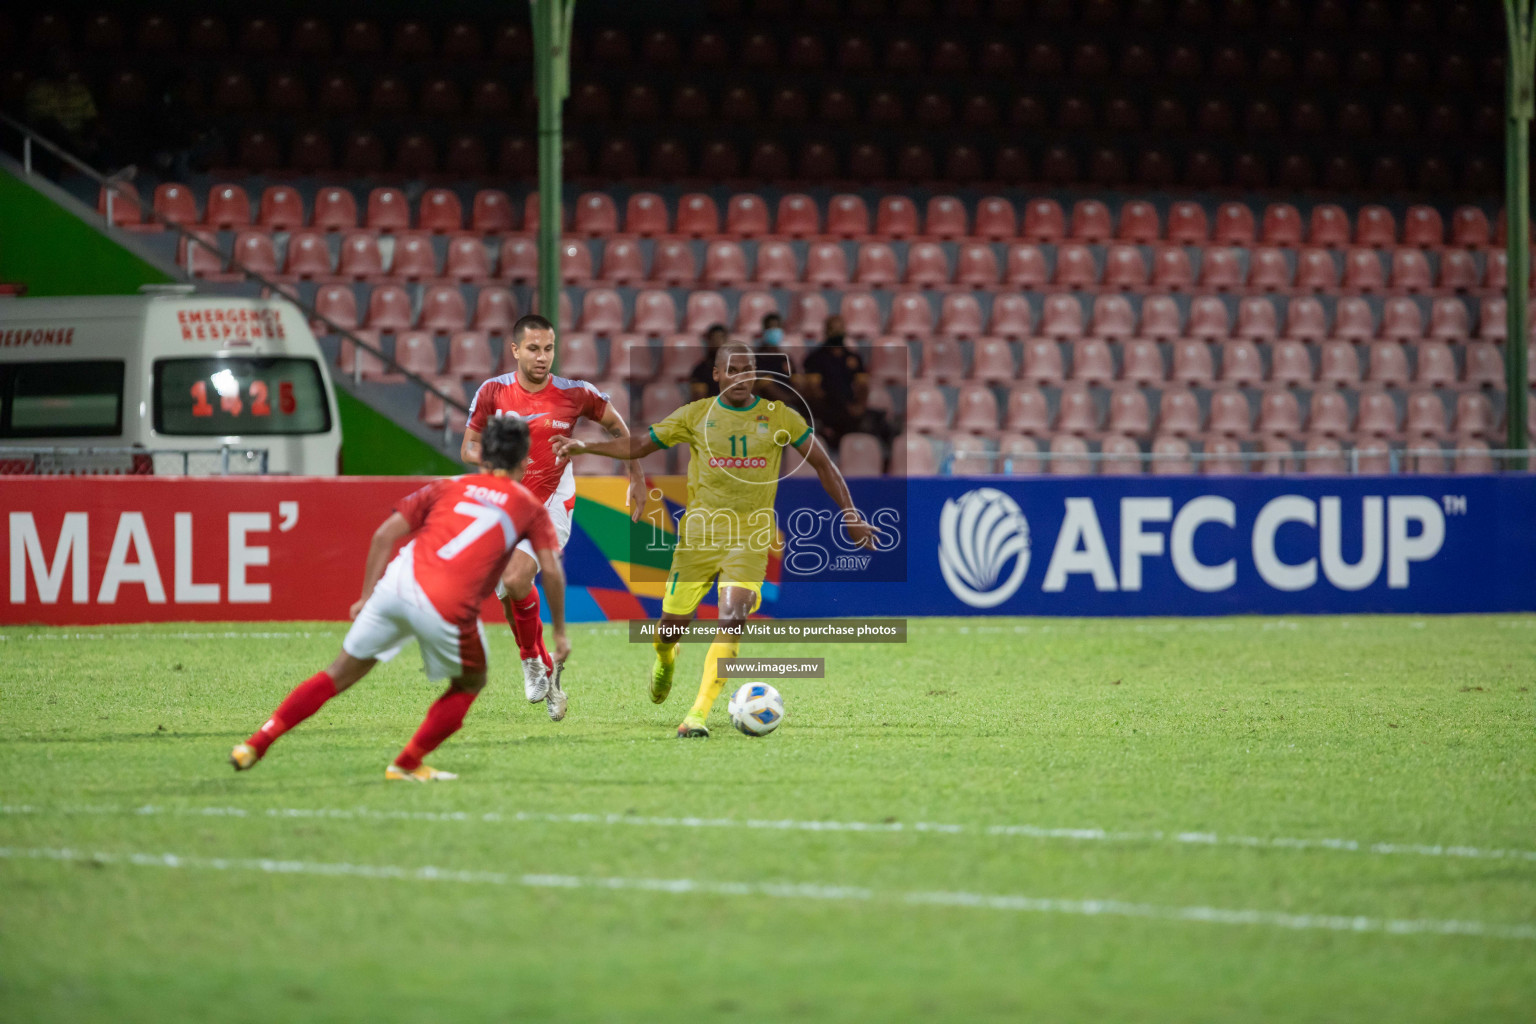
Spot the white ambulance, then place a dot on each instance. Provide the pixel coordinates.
(166, 382)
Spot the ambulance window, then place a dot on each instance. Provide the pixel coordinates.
(61, 399)
(244, 395)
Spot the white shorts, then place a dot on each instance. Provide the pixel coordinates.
(560, 517)
(398, 611)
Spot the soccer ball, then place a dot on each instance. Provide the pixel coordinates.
(756, 709)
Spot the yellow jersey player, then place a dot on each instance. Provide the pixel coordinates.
(737, 441)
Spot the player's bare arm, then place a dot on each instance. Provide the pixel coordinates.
(469, 450)
(859, 531)
(629, 447)
(385, 539)
(554, 592)
(634, 496)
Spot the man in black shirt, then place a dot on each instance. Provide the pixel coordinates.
(701, 382)
(836, 383)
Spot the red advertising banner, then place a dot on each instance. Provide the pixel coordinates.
(88, 550)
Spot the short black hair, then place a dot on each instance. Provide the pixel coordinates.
(504, 444)
(774, 317)
(530, 322)
(716, 329)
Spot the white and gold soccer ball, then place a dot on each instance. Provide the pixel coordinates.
(756, 709)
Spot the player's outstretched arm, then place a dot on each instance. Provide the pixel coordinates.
(553, 577)
(389, 534)
(469, 450)
(634, 497)
(860, 532)
(630, 447)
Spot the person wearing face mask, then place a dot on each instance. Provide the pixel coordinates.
(775, 365)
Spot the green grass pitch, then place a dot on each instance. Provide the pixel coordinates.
(1317, 819)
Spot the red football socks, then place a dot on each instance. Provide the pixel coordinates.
(306, 698)
(443, 720)
(528, 629)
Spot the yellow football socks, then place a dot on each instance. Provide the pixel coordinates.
(665, 653)
(711, 683)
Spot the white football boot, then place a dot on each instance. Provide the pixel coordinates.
(557, 701)
(535, 679)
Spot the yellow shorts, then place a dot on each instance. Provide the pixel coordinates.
(694, 571)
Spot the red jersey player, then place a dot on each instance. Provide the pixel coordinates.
(551, 405)
(461, 532)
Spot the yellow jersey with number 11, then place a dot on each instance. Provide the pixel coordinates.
(735, 453)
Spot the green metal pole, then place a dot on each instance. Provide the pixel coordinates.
(1517, 215)
(551, 70)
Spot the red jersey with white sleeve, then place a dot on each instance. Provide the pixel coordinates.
(551, 411)
(465, 528)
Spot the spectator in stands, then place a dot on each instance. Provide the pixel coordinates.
(60, 108)
(836, 384)
(701, 383)
(773, 363)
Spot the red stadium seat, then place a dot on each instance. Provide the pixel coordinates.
(1256, 320)
(861, 315)
(1279, 413)
(945, 218)
(1141, 363)
(1316, 271)
(1221, 270)
(1043, 363)
(1091, 221)
(602, 312)
(1076, 412)
(1411, 271)
(798, 216)
(1375, 227)
(927, 412)
(1124, 268)
(176, 204)
(911, 316)
(389, 309)
(1484, 366)
(1289, 364)
(623, 263)
(1113, 318)
(337, 303)
(698, 217)
(1208, 320)
(443, 309)
(360, 257)
(630, 358)
(1328, 226)
(1044, 221)
(228, 207)
(575, 263)
(912, 456)
(672, 264)
(1449, 319)
(1122, 456)
(776, 266)
(995, 220)
(896, 217)
(1062, 318)
(308, 257)
(1075, 267)
(1160, 319)
(519, 261)
(1338, 364)
(826, 266)
(1268, 270)
(645, 214)
(1027, 412)
(992, 361)
(1193, 364)
(1363, 271)
(1474, 416)
(254, 252)
(596, 215)
(335, 210)
(1178, 413)
(1187, 224)
(1401, 320)
(469, 356)
(495, 311)
(1026, 268)
(1012, 317)
(352, 359)
(977, 266)
(847, 217)
(890, 361)
(750, 310)
(388, 210)
(1435, 365)
(942, 361)
(414, 258)
(725, 265)
(1469, 228)
(1171, 269)
(1092, 362)
(1240, 363)
(859, 455)
(1138, 222)
(1128, 411)
(927, 266)
(1423, 228)
(1234, 225)
(1070, 457)
(440, 211)
(746, 216)
(416, 353)
(1377, 415)
(679, 355)
(655, 313)
(1352, 321)
(1282, 225)
(1305, 320)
